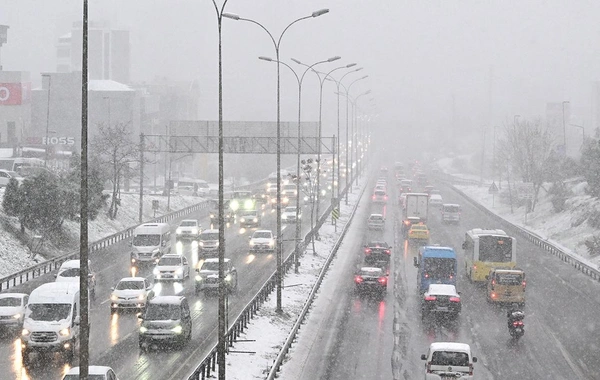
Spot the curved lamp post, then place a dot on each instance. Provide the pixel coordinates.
(299, 80)
(277, 44)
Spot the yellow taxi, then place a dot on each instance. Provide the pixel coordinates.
(418, 233)
(506, 286)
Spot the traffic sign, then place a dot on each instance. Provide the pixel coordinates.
(335, 213)
(493, 188)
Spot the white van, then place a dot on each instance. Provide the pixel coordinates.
(450, 213)
(435, 200)
(51, 320)
(445, 360)
(150, 242)
(69, 272)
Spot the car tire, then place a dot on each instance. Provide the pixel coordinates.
(70, 354)
(25, 358)
(196, 290)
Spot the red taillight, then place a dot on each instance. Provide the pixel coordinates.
(382, 280)
(470, 369)
(358, 279)
(430, 298)
(454, 299)
(374, 197)
(518, 323)
(388, 251)
(367, 251)
(385, 197)
(524, 284)
(451, 277)
(426, 275)
(474, 267)
(428, 367)
(493, 295)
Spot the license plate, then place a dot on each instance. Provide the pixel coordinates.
(442, 308)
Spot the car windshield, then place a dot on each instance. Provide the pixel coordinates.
(261, 235)
(49, 311)
(188, 223)
(210, 265)
(379, 192)
(71, 272)
(378, 244)
(450, 358)
(249, 213)
(451, 209)
(210, 236)
(371, 272)
(376, 217)
(130, 285)
(290, 209)
(146, 240)
(10, 301)
(419, 228)
(90, 377)
(435, 267)
(162, 312)
(495, 249)
(169, 261)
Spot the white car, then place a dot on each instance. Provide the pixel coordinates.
(188, 229)
(172, 267)
(289, 215)
(12, 310)
(435, 200)
(130, 293)
(69, 272)
(449, 360)
(95, 372)
(6, 175)
(262, 241)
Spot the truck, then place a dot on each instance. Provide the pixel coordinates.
(415, 211)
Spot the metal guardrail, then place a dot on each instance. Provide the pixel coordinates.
(49, 266)
(590, 271)
(290, 339)
(208, 365)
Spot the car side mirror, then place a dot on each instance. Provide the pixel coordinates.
(474, 359)
(77, 320)
(164, 243)
(415, 262)
(424, 357)
(113, 288)
(90, 275)
(55, 275)
(249, 237)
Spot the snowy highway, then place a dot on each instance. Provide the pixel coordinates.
(114, 338)
(362, 337)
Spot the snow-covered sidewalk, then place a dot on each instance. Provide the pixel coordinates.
(268, 331)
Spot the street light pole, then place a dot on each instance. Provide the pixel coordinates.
(582, 133)
(222, 318)
(356, 145)
(564, 126)
(47, 143)
(299, 80)
(277, 45)
(352, 135)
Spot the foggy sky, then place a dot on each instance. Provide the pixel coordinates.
(418, 54)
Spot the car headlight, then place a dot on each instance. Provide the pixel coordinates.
(283, 216)
(156, 272)
(25, 332)
(178, 231)
(271, 243)
(65, 332)
(142, 297)
(198, 278)
(228, 278)
(201, 243)
(255, 220)
(179, 271)
(156, 250)
(242, 220)
(113, 297)
(177, 329)
(143, 329)
(17, 316)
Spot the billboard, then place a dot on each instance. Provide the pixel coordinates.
(14, 94)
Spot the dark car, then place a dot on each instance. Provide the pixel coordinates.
(378, 252)
(371, 280)
(441, 300)
(166, 320)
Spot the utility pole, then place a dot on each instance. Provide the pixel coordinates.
(84, 327)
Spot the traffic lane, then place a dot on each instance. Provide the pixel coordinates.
(560, 313)
(365, 344)
(253, 273)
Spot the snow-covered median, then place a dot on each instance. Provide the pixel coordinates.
(268, 331)
(16, 256)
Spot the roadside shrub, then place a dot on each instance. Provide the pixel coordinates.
(593, 246)
(558, 196)
(594, 219)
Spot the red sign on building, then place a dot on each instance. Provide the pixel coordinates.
(14, 94)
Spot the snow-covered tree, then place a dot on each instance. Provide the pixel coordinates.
(590, 165)
(12, 201)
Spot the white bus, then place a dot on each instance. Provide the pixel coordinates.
(487, 249)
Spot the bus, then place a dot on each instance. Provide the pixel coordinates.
(436, 265)
(21, 164)
(487, 249)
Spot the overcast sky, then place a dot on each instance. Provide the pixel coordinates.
(418, 54)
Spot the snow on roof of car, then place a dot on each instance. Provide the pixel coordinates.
(450, 346)
(436, 197)
(173, 300)
(442, 289)
(257, 231)
(93, 370)
(376, 216)
(132, 279)
(13, 295)
(215, 260)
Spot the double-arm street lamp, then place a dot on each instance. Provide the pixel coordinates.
(320, 132)
(277, 44)
(299, 80)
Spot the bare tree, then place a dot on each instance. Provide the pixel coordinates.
(528, 146)
(115, 148)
